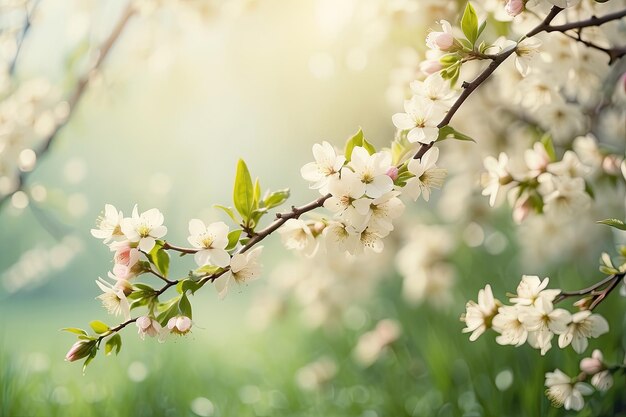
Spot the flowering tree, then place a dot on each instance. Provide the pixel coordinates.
(552, 48)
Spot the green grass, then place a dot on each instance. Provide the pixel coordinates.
(432, 370)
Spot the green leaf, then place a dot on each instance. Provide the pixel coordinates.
(99, 327)
(143, 287)
(618, 224)
(369, 147)
(188, 285)
(160, 259)
(276, 198)
(449, 59)
(448, 132)
(115, 342)
(169, 310)
(74, 330)
(229, 211)
(589, 190)
(355, 140)
(469, 23)
(243, 194)
(482, 27)
(607, 270)
(207, 270)
(92, 355)
(233, 238)
(184, 306)
(257, 193)
(467, 45)
(358, 140)
(548, 145)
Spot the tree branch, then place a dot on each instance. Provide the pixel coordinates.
(74, 99)
(592, 21)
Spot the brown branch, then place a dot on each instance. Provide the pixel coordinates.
(614, 53)
(281, 218)
(496, 61)
(27, 26)
(182, 250)
(598, 291)
(592, 21)
(75, 97)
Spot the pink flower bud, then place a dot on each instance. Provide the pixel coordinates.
(592, 365)
(441, 40)
(79, 350)
(148, 326)
(179, 324)
(430, 67)
(392, 173)
(514, 7)
(611, 164)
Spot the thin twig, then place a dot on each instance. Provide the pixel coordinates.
(27, 26)
(74, 99)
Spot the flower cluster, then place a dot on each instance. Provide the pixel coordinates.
(560, 189)
(565, 391)
(361, 189)
(28, 116)
(532, 318)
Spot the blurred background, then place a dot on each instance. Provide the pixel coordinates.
(189, 87)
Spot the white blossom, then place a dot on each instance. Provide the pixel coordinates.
(421, 118)
(584, 325)
(346, 192)
(212, 241)
(144, 228)
(531, 289)
(383, 210)
(296, 235)
(113, 297)
(427, 175)
(526, 53)
(109, 224)
(508, 324)
(435, 89)
(562, 391)
(496, 177)
(244, 267)
(327, 165)
(543, 321)
(372, 171)
(478, 316)
(563, 196)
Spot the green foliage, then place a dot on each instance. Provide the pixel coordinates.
(168, 310)
(188, 285)
(469, 23)
(548, 145)
(113, 343)
(275, 199)
(228, 210)
(615, 223)
(451, 70)
(448, 132)
(358, 139)
(248, 202)
(99, 327)
(160, 258)
(184, 306)
(233, 238)
(243, 192)
(74, 330)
